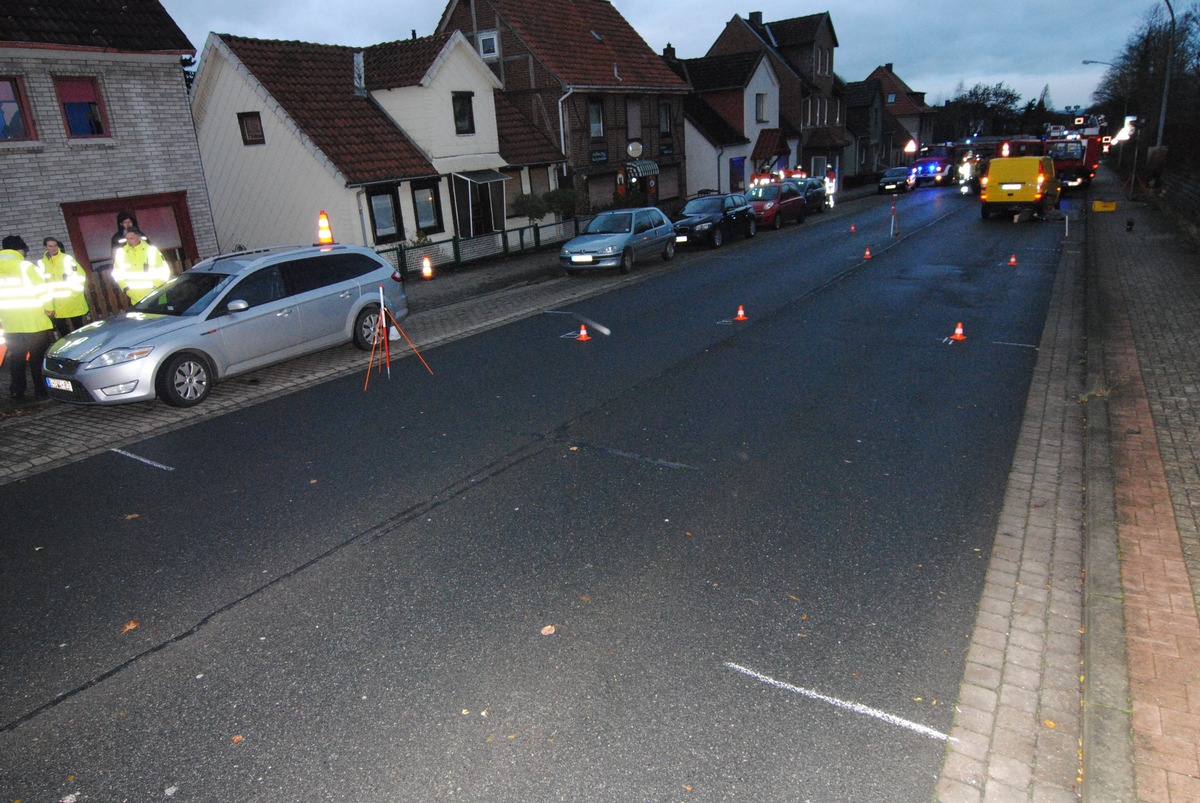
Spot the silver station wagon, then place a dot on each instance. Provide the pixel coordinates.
(227, 315)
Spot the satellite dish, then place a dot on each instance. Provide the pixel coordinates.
(634, 149)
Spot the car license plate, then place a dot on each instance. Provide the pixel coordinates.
(59, 384)
(681, 238)
(1010, 186)
(581, 258)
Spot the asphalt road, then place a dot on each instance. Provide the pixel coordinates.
(759, 544)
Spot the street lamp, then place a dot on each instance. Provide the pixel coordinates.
(1162, 112)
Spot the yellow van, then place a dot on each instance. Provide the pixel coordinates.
(1018, 183)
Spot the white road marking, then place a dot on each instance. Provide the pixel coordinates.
(1018, 345)
(857, 708)
(142, 459)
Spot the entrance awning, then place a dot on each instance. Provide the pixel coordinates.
(640, 168)
(483, 176)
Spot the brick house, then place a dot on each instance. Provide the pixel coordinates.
(584, 77)
(95, 120)
(801, 50)
(401, 141)
(906, 106)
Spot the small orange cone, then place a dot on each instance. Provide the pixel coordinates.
(867, 254)
(583, 335)
(852, 229)
(958, 333)
(1012, 260)
(741, 316)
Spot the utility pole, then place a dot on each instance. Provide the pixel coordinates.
(1162, 112)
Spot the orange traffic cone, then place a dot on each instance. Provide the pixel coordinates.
(583, 335)
(867, 254)
(852, 229)
(958, 333)
(741, 316)
(1012, 260)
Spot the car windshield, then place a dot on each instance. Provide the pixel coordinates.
(896, 172)
(767, 193)
(700, 206)
(186, 294)
(610, 223)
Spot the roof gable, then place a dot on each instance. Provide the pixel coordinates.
(907, 101)
(586, 43)
(402, 63)
(314, 85)
(798, 31)
(732, 71)
(127, 26)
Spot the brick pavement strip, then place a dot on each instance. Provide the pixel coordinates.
(1017, 723)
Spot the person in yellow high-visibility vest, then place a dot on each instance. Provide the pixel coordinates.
(67, 278)
(25, 302)
(139, 267)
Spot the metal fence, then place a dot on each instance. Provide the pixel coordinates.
(463, 250)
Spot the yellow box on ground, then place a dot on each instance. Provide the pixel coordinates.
(1104, 206)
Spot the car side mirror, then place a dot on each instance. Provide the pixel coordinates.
(237, 305)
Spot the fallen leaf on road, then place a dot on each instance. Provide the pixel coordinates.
(585, 597)
(792, 597)
(130, 625)
(129, 516)
(548, 630)
(1049, 723)
(236, 738)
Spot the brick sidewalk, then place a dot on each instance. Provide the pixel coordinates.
(1152, 369)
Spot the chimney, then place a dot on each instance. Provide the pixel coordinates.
(756, 18)
(888, 67)
(414, 33)
(669, 52)
(360, 75)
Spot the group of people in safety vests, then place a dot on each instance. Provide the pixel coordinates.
(47, 296)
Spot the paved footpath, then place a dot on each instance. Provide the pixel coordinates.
(1149, 283)
(1083, 675)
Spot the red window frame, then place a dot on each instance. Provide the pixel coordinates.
(22, 103)
(81, 89)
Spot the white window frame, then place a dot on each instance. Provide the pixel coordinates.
(484, 37)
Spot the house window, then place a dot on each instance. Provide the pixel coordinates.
(633, 118)
(596, 118)
(737, 174)
(489, 45)
(464, 113)
(891, 97)
(250, 124)
(427, 201)
(385, 215)
(15, 122)
(82, 111)
(760, 107)
(664, 119)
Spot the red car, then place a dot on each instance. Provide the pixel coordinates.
(776, 203)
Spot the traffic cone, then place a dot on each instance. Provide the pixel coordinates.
(741, 316)
(583, 335)
(1012, 260)
(852, 229)
(867, 254)
(958, 333)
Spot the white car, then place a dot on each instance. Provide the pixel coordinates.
(227, 315)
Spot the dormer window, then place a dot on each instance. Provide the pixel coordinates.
(891, 97)
(489, 45)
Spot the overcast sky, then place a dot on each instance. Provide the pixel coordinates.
(934, 45)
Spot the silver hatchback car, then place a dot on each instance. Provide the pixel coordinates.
(227, 315)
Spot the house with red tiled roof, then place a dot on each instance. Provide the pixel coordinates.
(801, 50)
(94, 120)
(398, 142)
(584, 77)
(906, 106)
(739, 92)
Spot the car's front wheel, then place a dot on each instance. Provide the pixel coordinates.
(184, 380)
(366, 325)
(777, 221)
(669, 252)
(751, 227)
(718, 237)
(626, 260)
